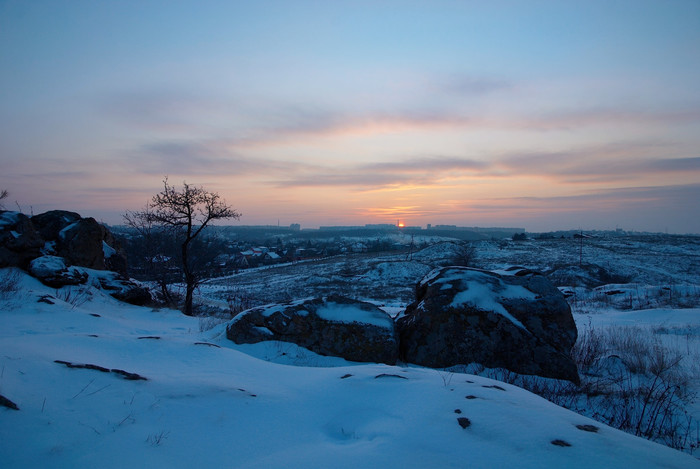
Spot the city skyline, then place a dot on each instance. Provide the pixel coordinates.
(546, 115)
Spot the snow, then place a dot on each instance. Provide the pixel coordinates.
(206, 403)
(482, 297)
(62, 233)
(108, 250)
(481, 290)
(353, 314)
(9, 218)
(47, 265)
(49, 248)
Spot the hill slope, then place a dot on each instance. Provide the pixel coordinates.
(206, 403)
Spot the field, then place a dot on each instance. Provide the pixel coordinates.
(635, 299)
(83, 376)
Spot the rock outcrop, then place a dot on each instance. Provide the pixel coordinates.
(334, 325)
(515, 320)
(19, 241)
(52, 271)
(81, 241)
(61, 248)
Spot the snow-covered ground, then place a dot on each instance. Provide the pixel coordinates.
(206, 402)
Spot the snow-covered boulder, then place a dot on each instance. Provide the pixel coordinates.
(81, 241)
(19, 241)
(52, 271)
(332, 325)
(121, 288)
(513, 319)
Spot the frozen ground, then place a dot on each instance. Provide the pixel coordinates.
(208, 403)
(671, 262)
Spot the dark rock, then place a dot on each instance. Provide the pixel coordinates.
(561, 443)
(52, 271)
(82, 242)
(464, 422)
(389, 375)
(48, 299)
(588, 428)
(5, 402)
(494, 386)
(207, 344)
(517, 320)
(89, 366)
(19, 240)
(50, 224)
(335, 326)
(123, 289)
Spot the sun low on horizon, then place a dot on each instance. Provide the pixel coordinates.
(543, 115)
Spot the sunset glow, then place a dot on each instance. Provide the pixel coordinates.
(552, 115)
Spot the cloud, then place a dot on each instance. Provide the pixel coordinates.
(426, 165)
(638, 208)
(676, 164)
(596, 164)
(246, 121)
(305, 125)
(203, 158)
(158, 109)
(619, 161)
(676, 197)
(414, 171)
(572, 119)
(468, 85)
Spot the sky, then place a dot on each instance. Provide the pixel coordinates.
(537, 114)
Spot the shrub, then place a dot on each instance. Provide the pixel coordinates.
(9, 283)
(629, 380)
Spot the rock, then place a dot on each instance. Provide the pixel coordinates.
(515, 320)
(335, 326)
(50, 224)
(52, 271)
(19, 241)
(82, 242)
(124, 289)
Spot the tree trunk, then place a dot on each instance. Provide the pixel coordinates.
(190, 281)
(188, 297)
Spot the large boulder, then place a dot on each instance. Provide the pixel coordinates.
(514, 319)
(334, 325)
(122, 288)
(81, 241)
(52, 271)
(19, 241)
(50, 224)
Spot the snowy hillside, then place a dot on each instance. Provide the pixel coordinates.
(205, 402)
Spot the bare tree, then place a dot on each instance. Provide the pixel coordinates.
(187, 212)
(464, 255)
(3, 195)
(153, 246)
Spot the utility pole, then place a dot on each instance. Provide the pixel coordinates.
(410, 249)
